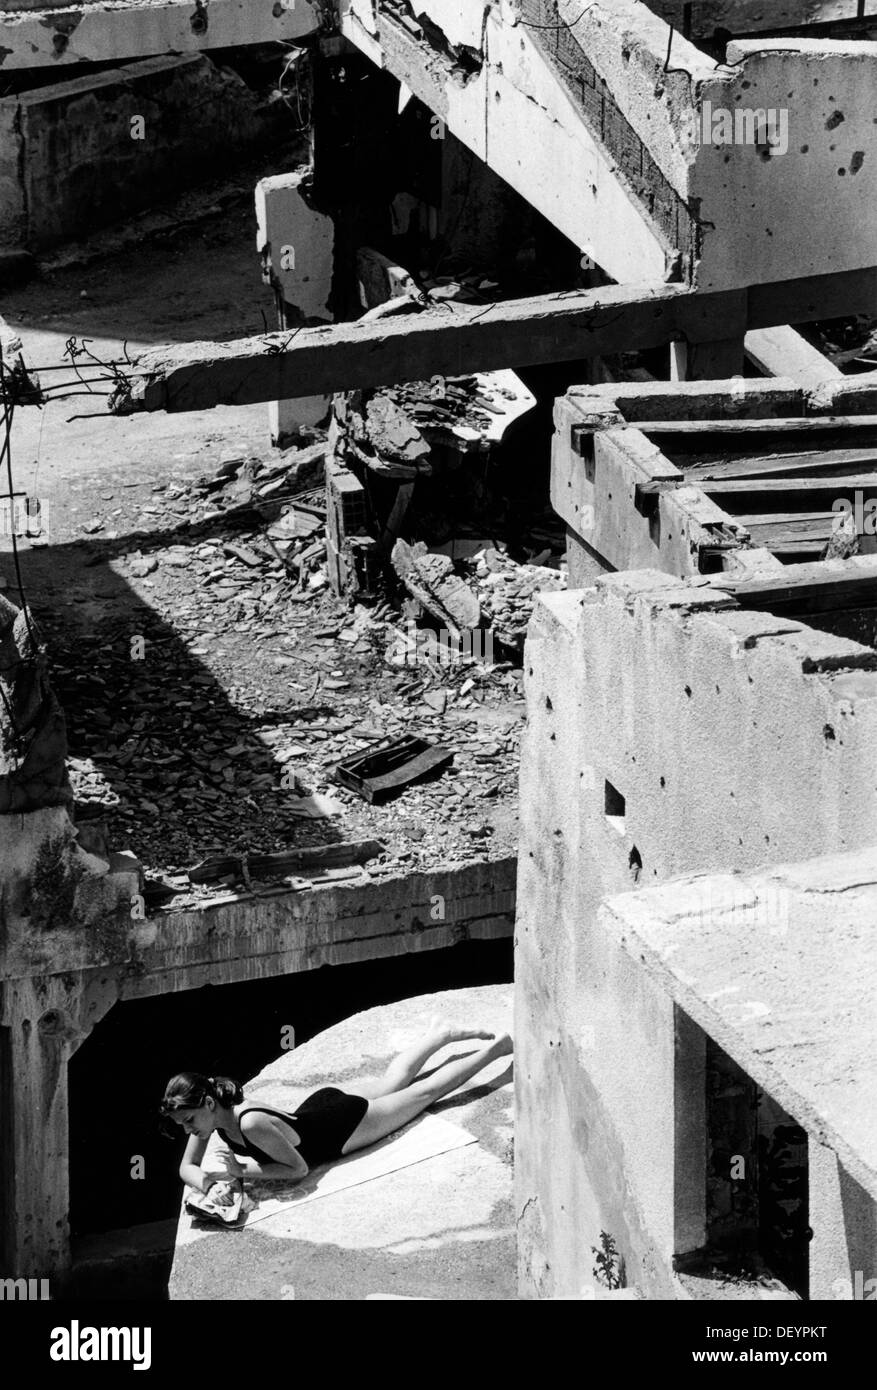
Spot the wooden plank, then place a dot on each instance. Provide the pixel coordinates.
(839, 484)
(796, 425)
(804, 589)
(775, 465)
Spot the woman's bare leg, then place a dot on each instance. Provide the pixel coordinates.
(405, 1067)
(391, 1111)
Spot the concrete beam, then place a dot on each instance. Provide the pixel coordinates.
(516, 113)
(513, 333)
(784, 352)
(633, 113)
(278, 932)
(707, 17)
(414, 347)
(32, 36)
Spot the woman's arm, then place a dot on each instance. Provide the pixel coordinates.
(190, 1170)
(279, 1141)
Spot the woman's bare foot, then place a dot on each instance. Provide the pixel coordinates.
(504, 1046)
(445, 1032)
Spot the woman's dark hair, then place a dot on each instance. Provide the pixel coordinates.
(189, 1090)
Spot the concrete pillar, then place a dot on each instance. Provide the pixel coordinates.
(297, 245)
(843, 1218)
(43, 1020)
(346, 515)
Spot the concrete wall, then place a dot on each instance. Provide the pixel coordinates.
(646, 188)
(82, 162)
(736, 740)
(13, 219)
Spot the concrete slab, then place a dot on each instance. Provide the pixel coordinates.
(780, 968)
(441, 1227)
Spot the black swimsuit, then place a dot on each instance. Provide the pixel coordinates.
(324, 1122)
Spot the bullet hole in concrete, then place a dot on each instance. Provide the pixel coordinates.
(805, 149)
(835, 119)
(688, 691)
(746, 85)
(842, 173)
(718, 691)
(663, 782)
(767, 839)
(548, 705)
(554, 738)
(828, 734)
(857, 161)
(529, 670)
(558, 832)
(635, 864)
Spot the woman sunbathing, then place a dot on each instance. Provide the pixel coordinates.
(328, 1124)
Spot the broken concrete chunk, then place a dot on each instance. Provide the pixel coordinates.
(392, 433)
(431, 580)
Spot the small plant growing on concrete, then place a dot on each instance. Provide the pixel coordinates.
(609, 1268)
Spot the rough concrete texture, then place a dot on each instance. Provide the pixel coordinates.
(825, 180)
(442, 1229)
(88, 151)
(59, 900)
(668, 733)
(780, 969)
(92, 31)
(518, 116)
(627, 107)
(296, 243)
(749, 16)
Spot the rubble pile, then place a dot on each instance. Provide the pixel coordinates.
(207, 715)
(208, 710)
(506, 592)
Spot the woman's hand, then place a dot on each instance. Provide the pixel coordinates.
(222, 1192)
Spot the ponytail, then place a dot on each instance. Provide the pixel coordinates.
(189, 1090)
